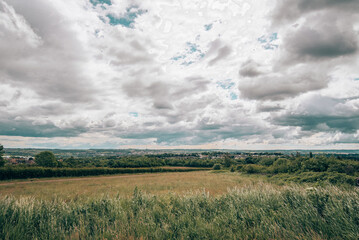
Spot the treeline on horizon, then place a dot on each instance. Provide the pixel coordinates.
(335, 169)
(7, 173)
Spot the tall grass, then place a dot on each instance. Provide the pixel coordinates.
(249, 213)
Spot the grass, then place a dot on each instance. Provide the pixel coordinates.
(251, 212)
(189, 205)
(124, 185)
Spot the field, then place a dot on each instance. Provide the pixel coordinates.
(124, 185)
(186, 205)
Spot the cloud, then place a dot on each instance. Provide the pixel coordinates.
(250, 69)
(289, 10)
(34, 65)
(18, 126)
(318, 113)
(321, 40)
(279, 86)
(109, 73)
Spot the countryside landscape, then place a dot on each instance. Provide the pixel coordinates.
(177, 194)
(179, 119)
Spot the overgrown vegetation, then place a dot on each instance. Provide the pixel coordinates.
(303, 168)
(249, 213)
(40, 172)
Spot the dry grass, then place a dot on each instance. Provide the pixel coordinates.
(124, 185)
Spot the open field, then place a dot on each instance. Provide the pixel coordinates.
(124, 185)
(175, 205)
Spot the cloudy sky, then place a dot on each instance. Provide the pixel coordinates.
(232, 74)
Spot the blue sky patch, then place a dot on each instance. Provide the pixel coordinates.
(226, 84)
(95, 2)
(133, 114)
(233, 96)
(267, 41)
(127, 19)
(356, 79)
(208, 27)
(191, 55)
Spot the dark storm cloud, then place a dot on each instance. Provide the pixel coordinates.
(322, 114)
(40, 52)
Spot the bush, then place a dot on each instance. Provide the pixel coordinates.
(253, 168)
(216, 166)
(39, 172)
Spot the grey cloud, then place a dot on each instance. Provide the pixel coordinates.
(289, 10)
(162, 105)
(166, 96)
(49, 109)
(268, 108)
(29, 128)
(127, 57)
(249, 69)
(347, 138)
(28, 61)
(281, 86)
(222, 53)
(323, 40)
(322, 114)
(202, 132)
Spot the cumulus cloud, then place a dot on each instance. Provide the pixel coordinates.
(321, 40)
(320, 113)
(282, 85)
(92, 73)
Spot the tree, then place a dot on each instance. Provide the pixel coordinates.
(227, 160)
(46, 159)
(2, 161)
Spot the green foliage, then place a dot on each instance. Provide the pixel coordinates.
(2, 161)
(317, 164)
(227, 162)
(46, 159)
(253, 168)
(40, 172)
(281, 165)
(316, 177)
(216, 166)
(267, 161)
(262, 213)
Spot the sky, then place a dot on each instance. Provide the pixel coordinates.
(216, 74)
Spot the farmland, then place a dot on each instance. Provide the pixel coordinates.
(203, 205)
(250, 196)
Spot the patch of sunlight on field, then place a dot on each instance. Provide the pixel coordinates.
(124, 185)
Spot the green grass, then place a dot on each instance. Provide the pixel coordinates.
(260, 212)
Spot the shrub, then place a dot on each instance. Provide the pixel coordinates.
(253, 168)
(216, 166)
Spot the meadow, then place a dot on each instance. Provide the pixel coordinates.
(188, 205)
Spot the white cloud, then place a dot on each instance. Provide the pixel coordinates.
(147, 73)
